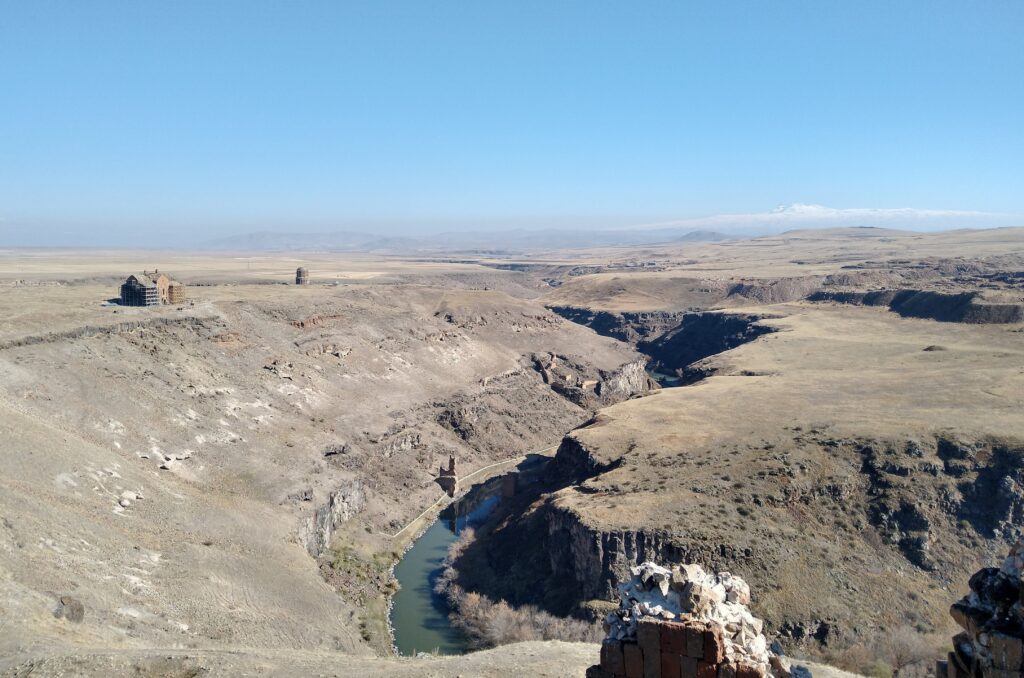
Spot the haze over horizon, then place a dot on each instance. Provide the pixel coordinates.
(177, 125)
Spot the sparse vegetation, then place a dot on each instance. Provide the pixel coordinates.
(489, 624)
(903, 652)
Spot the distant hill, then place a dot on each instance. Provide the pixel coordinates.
(703, 236)
(342, 241)
(510, 241)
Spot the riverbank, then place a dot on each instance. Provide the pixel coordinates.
(419, 614)
(376, 622)
(491, 470)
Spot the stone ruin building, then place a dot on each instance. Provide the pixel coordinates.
(686, 623)
(301, 276)
(151, 289)
(447, 477)
(992, 618)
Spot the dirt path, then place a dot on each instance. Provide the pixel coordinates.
(420, 521)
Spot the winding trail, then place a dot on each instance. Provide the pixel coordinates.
(443, 497)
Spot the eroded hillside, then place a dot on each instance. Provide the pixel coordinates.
(183, 473)
(222, 482)
(845, 454)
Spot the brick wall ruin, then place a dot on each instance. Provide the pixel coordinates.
(665, 649)
(685, 623)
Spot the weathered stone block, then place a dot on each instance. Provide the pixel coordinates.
(1007, 652)
(671, 665)
(678, 581)
(688, 667)
(954, 669)
(652, 663)
(781, 668)
(963, 639)
(745, 670)
(634, 660)
(970, 619)
(714, 644)
(941, 667)
(727, 670)
(673, 638)
(707, 670)
(696, 598)
(612, 659)
(598, 672)
(695, 641)
(648, 637)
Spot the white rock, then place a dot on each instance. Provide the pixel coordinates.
(693, 572)
(724, 598)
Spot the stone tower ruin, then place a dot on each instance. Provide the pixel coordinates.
(447, 477)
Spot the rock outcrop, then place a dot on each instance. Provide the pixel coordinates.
(579, 384)
(992, 618)
(698, 336)
(961, 307)
(685, 622)
(316, 530)
(626, 326)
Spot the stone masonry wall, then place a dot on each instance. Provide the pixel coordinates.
(670, 650)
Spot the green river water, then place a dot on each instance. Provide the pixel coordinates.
(419, 617)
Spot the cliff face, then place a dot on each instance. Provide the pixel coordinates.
(316, 530)
(581, 384)
(625, 382)
(698, 336)
(594, 561)
(962, 307)
(627, 326)
(883, 505)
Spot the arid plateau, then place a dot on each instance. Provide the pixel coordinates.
(223, 486)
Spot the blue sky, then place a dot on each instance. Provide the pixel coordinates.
(211, 118)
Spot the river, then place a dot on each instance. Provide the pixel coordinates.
(419, 617)
(665, 380)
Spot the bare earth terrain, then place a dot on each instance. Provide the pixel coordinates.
(217, 484)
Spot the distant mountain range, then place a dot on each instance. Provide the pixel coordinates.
(805, 216)
(798, 216)
(501, 241)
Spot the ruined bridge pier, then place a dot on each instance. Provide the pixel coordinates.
(447, 478)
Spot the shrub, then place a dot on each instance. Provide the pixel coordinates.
(489, 624)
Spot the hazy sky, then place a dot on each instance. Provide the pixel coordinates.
(219, 117)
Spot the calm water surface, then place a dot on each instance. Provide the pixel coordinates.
(665, 380)
(419, 617)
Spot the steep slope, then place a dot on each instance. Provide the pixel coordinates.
(853, 465)
(178, 472)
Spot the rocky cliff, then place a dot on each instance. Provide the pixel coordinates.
(698, 336)
(888, 505)
(316, 530)
(960, 307)
(625, 326)
(580, 383)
